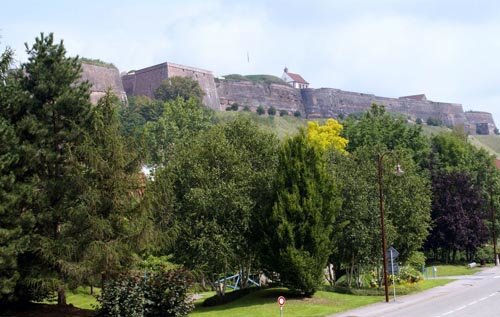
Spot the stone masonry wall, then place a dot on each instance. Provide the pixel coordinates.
(145, 81)
(102, 78)
(329, 102)
(251, 94)
(313, 103)
(204, 77)
(480, 122)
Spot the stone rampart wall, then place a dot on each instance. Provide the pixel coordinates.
(313, 103)
(480, 122)
(252, 94)
(145, 81)
(205, 79)
(103, 78)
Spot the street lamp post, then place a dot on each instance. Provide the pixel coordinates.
(382, 225)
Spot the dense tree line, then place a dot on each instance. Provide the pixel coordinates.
(223, 197)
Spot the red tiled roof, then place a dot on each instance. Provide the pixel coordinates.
(297, 78)
(497, 163)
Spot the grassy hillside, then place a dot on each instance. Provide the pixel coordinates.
(489, 142)
(282, 126)
(260, 78)
(288, 125)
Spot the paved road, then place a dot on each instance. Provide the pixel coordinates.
(473, 295)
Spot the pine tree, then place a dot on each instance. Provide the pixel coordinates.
(300, 222)
(110, 212)
(16, 218)
(49, 113)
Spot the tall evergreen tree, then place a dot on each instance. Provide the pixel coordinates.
(110, 226)
(299, 225)
(16, 219)
(49, 112)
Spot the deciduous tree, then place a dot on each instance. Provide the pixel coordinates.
(179, 87)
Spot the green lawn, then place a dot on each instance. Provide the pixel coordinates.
(454, 270)
(263, 303)
(80, 298)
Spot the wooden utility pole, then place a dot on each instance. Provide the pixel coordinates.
(382, 225)
(493, 225)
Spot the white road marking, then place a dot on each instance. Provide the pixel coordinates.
(498, 276)
(469, 304)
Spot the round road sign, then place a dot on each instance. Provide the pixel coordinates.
(281, 301)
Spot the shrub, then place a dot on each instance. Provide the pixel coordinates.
(228, 108)
(283, 113)
(271, 111)
(416, 260)
(158, 293)
(235, 107)
(434, 121)
(484, 254)
(260, 110)
(297, 114)
(419, 121)
(409, 275)
(246, 108)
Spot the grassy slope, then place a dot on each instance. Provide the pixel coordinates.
(288, 125)
(282, 126)
(489, 142)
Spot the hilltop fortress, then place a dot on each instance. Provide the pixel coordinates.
(291, 95)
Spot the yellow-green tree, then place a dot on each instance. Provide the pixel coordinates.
(326, 136)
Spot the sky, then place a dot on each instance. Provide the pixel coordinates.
(448, 50)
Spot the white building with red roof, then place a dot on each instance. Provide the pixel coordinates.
(294, 80)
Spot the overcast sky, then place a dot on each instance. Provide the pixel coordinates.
(449, 50)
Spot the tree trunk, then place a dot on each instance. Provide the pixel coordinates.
(91, 290)
(61, 296)
(244, 275)
(331, 274)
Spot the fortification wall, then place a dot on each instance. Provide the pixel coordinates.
(103, 78)
(329, 102)
(145, 81)
(314, 103)
(204, 77)
(480, 122)
(252, 94)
